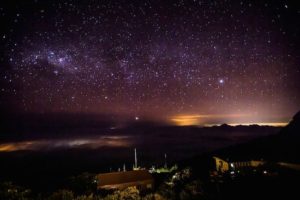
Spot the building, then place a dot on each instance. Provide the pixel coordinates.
(142, 179)
(222, 166)
(243, 164)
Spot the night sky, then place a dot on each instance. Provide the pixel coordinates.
(181, 61)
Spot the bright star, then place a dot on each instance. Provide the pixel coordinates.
(60, 60)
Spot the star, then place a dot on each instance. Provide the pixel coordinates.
(61, 60)
(208, 59)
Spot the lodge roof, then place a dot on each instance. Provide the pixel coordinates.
(114, 178)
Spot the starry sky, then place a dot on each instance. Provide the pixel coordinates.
(219, 61)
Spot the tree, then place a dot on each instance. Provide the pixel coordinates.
(154, 196)
(13, 192)
(88, 197)
(130, 193)
(62, 195)
(84, 183)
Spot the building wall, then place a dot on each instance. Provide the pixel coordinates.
(147, 184)
(221, 165)
(251, 163)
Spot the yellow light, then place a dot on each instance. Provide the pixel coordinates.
(186, 120)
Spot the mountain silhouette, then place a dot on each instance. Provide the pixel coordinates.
(284, 146)
(293, 128)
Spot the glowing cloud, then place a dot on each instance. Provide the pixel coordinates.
(91, 143)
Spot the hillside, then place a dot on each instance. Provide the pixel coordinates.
(284, 146)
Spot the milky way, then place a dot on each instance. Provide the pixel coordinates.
(152, 58)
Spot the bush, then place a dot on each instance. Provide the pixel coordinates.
(13, 192)
(130, 193)
(62, 195)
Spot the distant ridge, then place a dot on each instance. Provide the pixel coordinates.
(293, 128)
(284, 146)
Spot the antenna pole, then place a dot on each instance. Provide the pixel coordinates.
(135, 158)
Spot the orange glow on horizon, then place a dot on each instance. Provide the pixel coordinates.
(196, 120)
(186, 120)
(203, 120)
